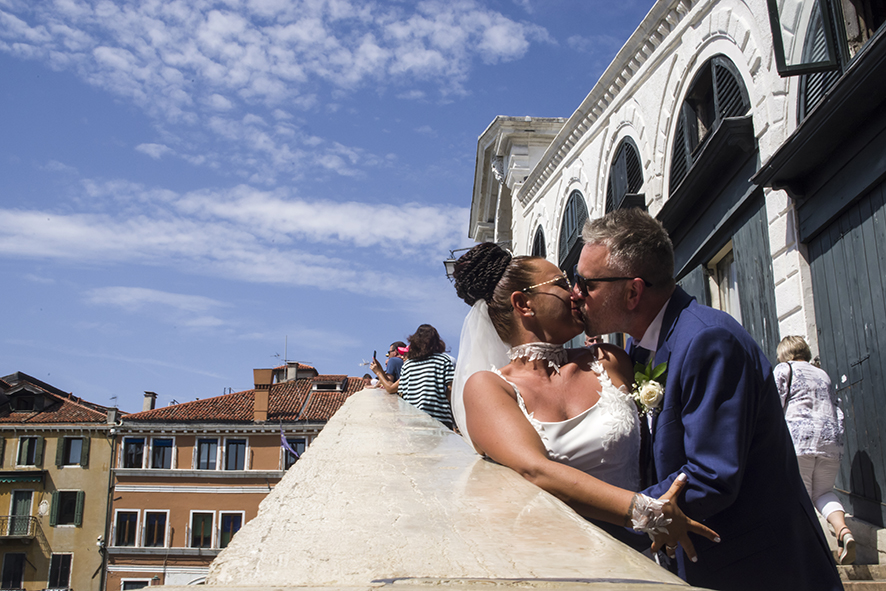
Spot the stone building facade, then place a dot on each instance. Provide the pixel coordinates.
(55, 451)
(187, 477)
(759, 177)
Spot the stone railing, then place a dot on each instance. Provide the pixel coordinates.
(386, 496)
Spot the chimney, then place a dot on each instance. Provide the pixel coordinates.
(262, 379)
(112, 416)
(150, 401)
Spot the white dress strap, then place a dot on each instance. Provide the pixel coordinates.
(536, 424)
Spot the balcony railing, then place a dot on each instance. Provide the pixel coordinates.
(17, 526)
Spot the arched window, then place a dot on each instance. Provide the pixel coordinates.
(625, 176)
(716, 93)
(574, 217)
(538, 244)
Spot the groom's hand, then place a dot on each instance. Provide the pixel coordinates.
(680, 526)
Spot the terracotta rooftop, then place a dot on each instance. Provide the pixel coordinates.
(296, 400)
(59, 407)
(301, 366)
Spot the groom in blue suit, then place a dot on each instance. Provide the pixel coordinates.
(719, 421)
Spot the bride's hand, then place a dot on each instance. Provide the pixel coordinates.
(681, 525)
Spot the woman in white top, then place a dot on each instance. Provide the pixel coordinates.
(562, 418)
(816, 425)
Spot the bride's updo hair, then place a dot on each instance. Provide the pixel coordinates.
(488, 272)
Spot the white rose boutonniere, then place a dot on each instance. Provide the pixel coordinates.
(648, 390)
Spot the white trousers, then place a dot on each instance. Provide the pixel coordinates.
(819, 474)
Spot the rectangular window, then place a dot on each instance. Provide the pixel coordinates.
(133, 584)
(67, 508)
(30, 451)
(125, 526)
(155, 529)
(13, 571)
(230, 524)
(133, 452)
(207, 451)
(289, 458)
(201, 530)
(67, 504)
(235, 454)
(161, 453)
(20, 520)
(724, 282)
(72, 451)
(60, 571)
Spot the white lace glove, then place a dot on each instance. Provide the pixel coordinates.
(646, 515)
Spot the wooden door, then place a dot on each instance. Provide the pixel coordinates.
(848, 262)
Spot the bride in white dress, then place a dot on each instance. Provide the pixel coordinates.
(562, 418)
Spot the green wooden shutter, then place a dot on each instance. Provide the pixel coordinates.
(3, 450)
(38, 452)
(78, 511)
(59, 451)
(53, 514)
(84, 453)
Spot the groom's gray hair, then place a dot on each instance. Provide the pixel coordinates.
(638, 244)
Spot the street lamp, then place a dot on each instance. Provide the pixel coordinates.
(449, 263)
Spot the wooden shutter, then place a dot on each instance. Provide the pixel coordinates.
(634, 168)
(538, 244)
(680, 154)
(730, 95)
(3, 450)
(574, 217)
(53, 513)
(38, 452)
(756, 282)
(695, 284)
(813, 87)
(60, 451)
(84, 453)
(78, 510)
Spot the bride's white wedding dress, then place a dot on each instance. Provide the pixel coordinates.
(603, 441)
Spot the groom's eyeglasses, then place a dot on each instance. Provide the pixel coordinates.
(586, 284)
(561, 281)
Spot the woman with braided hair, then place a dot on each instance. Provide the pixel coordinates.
(562, 418)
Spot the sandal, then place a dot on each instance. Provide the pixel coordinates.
(846, 543)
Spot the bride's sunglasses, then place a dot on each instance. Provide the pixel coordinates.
(561, 281)
(586, 284)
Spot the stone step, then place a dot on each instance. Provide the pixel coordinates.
(864, 585)
(863, 577)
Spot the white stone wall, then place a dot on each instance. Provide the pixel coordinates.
(639, 96)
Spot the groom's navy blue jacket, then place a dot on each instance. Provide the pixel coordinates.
(722, 424)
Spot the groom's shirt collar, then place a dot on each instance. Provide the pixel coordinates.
(650, 337)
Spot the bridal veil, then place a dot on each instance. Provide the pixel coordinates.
(479, 349)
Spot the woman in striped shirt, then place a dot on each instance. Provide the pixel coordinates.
(426, 377)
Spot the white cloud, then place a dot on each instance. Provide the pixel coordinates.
(219, 102)
(185, 310)
(61, 167)
(175, 59)
(155, 151)
(39, 279)
(243, 234)
(134, 298)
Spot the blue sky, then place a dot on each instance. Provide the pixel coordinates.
(187, 186)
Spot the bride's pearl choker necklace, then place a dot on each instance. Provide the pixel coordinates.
(555, 355)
